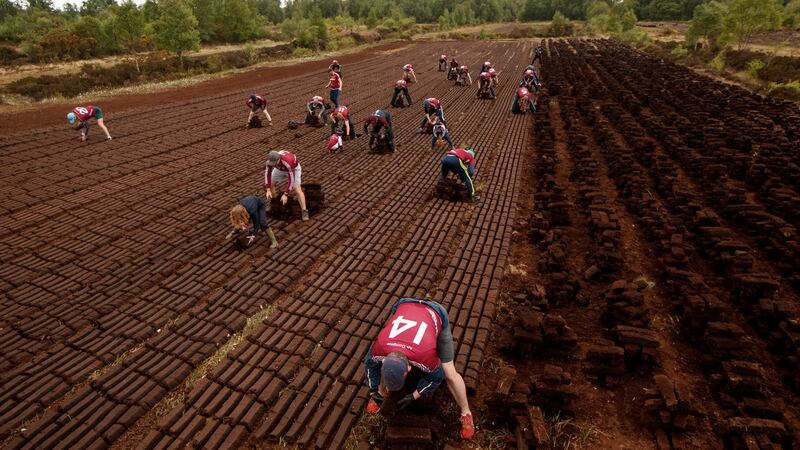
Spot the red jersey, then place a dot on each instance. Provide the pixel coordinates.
(343, 111)
(463, 155)
(412, 331)
(522, 92)
(375, 119)
(288, 163)
(336, 80)
(259, 101)
(83, 113)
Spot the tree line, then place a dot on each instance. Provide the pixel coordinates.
(105, 27)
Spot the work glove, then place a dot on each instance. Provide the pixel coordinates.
(405, 402)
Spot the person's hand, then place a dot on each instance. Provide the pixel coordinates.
(405, 402)
(284, 198)
(269, 194)
(382, 390)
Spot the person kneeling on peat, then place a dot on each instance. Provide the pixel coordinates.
(462, 163)
(523, 102)
(251, 215)
(257, 104)
(287, 168)
(83, 114)
(417, 336)
(316, 109)
(380, 119)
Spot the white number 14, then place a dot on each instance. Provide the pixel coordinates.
(400, 325)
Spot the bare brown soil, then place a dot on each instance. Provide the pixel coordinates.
(628, 278)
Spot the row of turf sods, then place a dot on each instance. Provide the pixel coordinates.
(190, 293)
(674, 215)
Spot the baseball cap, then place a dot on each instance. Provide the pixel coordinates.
(273, 158)
(393, 371)
(71, 117)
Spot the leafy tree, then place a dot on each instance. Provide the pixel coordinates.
(95, 7)
(235, 21)
(271, 10)
(29, 26)
(446, 20)
(128, 29)
(329, 8)
(488, 10)
(560, 25)
(747, 17)
(536, 10)
(70, 11)
(791, 14)
(372, 19)
(176, 28)
(150, 11)
(463, 14)
(707, 22)
(8, 8)
(46, 5)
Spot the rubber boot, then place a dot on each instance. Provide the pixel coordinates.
(272, 240)
(304, 215)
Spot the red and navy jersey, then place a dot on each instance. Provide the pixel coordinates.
(335, 80)
(412, 331)
(463, 155)
(376, 118)
(343, 111)
(259, 101)
(288, 163)
(83, 113)
(522, 92)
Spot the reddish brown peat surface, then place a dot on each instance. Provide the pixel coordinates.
(628, 278)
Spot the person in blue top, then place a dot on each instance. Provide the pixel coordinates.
(250, 216)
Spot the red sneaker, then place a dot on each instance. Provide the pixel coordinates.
(467, 427)
(373, 407)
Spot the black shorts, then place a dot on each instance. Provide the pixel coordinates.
(444, 346)
(444, 341)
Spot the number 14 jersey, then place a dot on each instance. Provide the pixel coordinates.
(412, 331)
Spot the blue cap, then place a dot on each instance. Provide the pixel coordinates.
(71, 117)
(394, 372)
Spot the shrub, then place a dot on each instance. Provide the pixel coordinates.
(635, 37)
(754, 66)
(679, 52)
(10, 56)
(484, 35)
(789, 91)
(718, 63)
